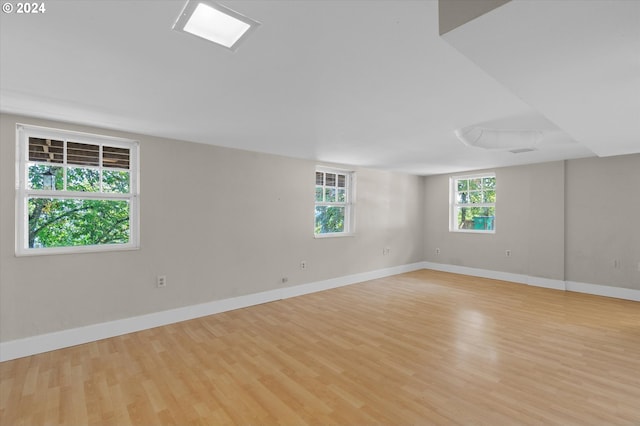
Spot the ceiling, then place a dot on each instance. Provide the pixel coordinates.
(365, 83)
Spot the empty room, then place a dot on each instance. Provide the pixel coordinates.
(345, 212)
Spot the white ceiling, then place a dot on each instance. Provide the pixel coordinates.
(358, 82)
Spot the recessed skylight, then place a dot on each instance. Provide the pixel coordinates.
(499, 139)
(214, 22)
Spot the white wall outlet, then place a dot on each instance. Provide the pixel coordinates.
(616, 264)
(161, 281)
(285, 280)
(438, 252)
(386, 251)
(507, 253)
(304, 265)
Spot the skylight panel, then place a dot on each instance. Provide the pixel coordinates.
(215, 23)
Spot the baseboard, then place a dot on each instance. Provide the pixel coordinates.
(477, 272)
(604, 290)
(61, 339)
(595, 289)
(76, 336)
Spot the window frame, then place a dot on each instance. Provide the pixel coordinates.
(348, 204)
(23, 193)
(454, 205)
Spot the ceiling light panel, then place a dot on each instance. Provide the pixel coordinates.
(214, 22)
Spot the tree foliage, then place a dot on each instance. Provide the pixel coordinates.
(62, 222)
(329, 219)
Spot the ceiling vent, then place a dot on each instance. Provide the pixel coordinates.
(515, 141)
(521, 150)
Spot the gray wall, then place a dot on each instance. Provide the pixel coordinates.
(221, 223)
(562, 220)
(217, 222)
(529, 222)
(603, 221)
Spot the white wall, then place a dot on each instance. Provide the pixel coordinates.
(217, 222)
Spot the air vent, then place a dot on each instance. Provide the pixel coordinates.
(521, 150)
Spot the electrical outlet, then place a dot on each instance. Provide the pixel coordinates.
(304, 265)
(507, 253)
(285, 280)
(386, 251)
(161, 281)
(437, 252)
(616, 264)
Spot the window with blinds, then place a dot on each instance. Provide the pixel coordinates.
(334, 202)
(77, 191)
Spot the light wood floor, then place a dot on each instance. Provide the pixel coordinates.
(419, 348)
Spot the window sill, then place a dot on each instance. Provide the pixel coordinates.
(472, 231)
(334, 235)
(75, 250)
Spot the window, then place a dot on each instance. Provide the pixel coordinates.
(75, 192)
(473, 203)
(334, 203)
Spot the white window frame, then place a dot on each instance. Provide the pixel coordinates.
(454, 205)
(348, 204)
(23, 193)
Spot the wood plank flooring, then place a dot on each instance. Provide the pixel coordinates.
(419, 348)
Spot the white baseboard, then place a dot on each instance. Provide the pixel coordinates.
(61, 339)
(604, 290)
(498, 275)
(595, 289)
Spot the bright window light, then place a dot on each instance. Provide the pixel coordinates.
(209, 23)
(215, 23)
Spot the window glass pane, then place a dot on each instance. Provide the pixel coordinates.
(342, 180)
(319, 178)
(490, 196)
(330, 195)
(476, 218)
(489, 182)
(115, 181)
(463, 198)
(45, 177)
(475, 197)
(319, 193)
(329, 219)
(465, 220)
(462, 185)
(46, 150)
(115, 157)
(484, 218)
(87, 180)
(83, 154)
(73, 222)
(475, 183)
(331, 179)
(342, 195)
